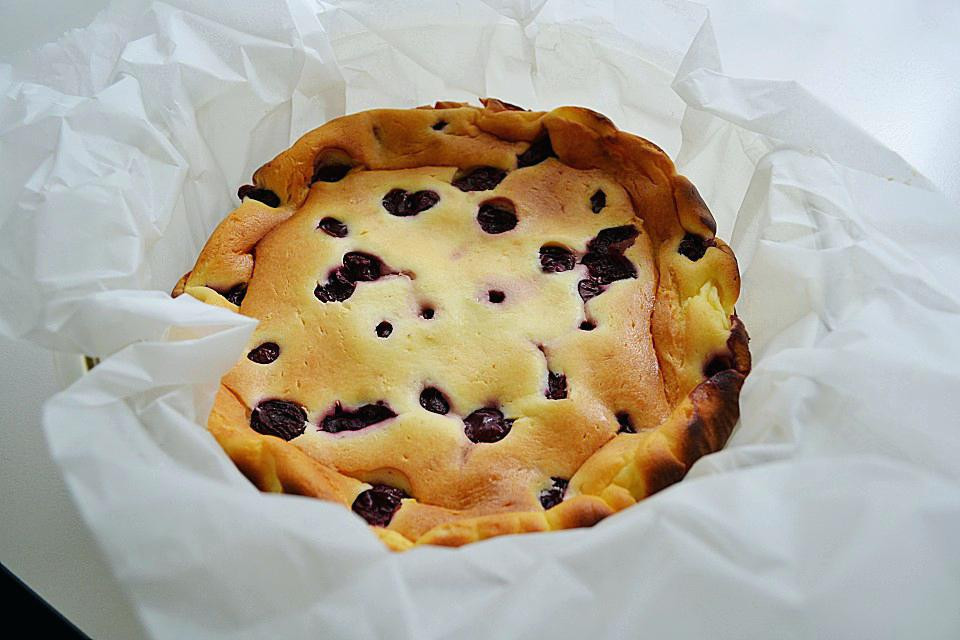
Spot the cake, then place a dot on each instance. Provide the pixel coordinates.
(474, 321)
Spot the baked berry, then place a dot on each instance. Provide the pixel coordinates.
(613, 239)
(384, 329)
(333, 227)
(402, 203)
(589, 288)
(362, 267)
(608, 267)
(479, 179)
(497, 216)
(279, 418)
(598, 201)
(346, 420)
(556, 259)
(378, 504)
(433, 400)
(487, 425)
(553, 495)
(338, 288)
(694, 247)
(556, 386)
(264, 353)
(236, 294)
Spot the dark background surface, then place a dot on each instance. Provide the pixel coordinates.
(27, 610)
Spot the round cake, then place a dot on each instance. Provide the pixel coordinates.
(474, 321)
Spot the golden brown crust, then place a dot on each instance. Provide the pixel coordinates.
(181, 284)
(393, 540)
(633, 466)
(675, 354)
(270, 463)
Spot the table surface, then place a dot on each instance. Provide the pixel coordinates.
(890, 69)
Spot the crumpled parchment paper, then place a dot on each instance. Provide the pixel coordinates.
(833, 512)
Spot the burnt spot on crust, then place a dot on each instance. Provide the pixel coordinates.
(346, 420)
(554, 259)
(662, 472)
(479, 179)
(556, 386)
(487, 425)
(598, 201)
(279, 418)
(716, 364)
(736, 357)
(694, 247)
(686, 191)
(264, 353)
(378, 504)
(538, 151)
(266, 196)
(235, 294)
(738, 345)
(404, 204)
(497, 216)
(333, 227)
(433, 400)
(715, 412)
(625, 422)
(553, 495)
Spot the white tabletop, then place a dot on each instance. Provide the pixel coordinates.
(890, 69)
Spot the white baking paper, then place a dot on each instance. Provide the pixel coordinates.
(834, 512)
